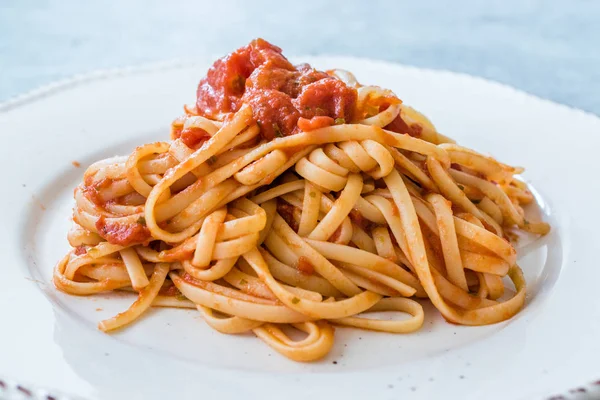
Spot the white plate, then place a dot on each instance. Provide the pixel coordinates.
(50, 339)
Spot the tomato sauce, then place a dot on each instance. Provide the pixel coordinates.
(92, 189)
(398, 125)
(278, 92)
(122, 234)
(305, 266)
(177, 127)
(307, 125)
(169, 290)
(177, 253)
(286, 210)
(192, 137)
(335, 236)
(358, 219)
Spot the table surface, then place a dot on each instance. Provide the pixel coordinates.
(549, 48)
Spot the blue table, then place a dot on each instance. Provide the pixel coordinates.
(548, 48)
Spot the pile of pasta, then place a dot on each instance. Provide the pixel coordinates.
(303, 232)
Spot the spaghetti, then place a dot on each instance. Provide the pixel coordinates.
(290, 198)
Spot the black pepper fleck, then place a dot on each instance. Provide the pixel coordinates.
(335, 362)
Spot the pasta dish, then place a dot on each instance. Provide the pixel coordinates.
(291, 199)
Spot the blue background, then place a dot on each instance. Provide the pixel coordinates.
(548, 48)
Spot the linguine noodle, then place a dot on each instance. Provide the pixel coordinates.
(328, 219)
